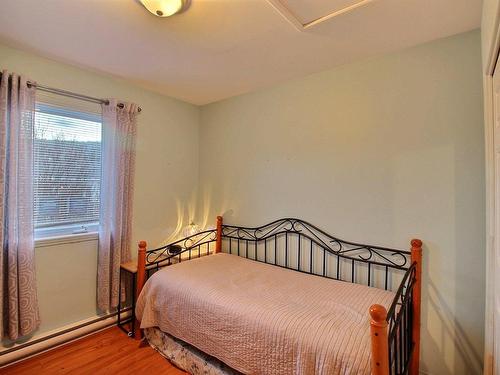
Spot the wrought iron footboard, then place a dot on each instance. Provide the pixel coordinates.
(400, 319)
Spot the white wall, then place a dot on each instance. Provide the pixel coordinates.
(378, 152)
(166, 178)
(66, 276)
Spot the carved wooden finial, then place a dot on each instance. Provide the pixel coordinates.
(218, 239)
(378, 313)
(416, 243)
(140, 280)
(379, 340)
(416, 259)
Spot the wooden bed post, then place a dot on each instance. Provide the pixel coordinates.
(416, 256)
(380, 340)
(141, 279)
(218, 238)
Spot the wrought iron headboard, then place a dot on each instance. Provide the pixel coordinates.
(294, 244)
(193, 246)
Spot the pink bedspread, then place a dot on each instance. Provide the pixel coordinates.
(262, 319)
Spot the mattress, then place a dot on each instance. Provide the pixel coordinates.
(185, 356)
(262, 319)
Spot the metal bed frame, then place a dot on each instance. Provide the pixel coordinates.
(298, 245)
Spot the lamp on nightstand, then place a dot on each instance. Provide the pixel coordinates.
(191, 229)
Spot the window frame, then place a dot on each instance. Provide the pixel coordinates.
(62, 232)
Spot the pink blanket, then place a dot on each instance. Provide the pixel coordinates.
(262, 319)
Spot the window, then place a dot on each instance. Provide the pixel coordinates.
(67, 171)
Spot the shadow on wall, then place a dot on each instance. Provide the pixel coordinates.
(207, 218)
(173, 233)
(187, 214)
(450, 332)
(204, 219)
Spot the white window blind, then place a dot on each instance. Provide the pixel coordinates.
(67, 168)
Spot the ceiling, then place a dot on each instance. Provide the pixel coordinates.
(222, 48)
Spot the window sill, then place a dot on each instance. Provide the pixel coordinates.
(66, 239)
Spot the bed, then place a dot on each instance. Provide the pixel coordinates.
(283, 298)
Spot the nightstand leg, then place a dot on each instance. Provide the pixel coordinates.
(119, 309)
(132, 313)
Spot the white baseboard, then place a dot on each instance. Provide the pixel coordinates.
(51, 340)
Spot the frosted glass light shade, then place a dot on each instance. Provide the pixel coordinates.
(165, 8)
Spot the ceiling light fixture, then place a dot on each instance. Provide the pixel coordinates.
(166, 8)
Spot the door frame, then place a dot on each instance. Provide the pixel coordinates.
(490, 64)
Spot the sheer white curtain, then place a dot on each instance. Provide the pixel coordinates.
(18, 295)
(117, 185)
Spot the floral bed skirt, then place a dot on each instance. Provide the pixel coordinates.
(185, 356)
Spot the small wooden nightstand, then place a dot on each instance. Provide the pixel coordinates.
(131, 269)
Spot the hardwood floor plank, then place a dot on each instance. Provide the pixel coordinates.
(106, 352)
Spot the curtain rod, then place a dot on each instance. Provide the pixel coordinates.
(74, 95)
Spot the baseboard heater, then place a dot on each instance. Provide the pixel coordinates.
(58, 338)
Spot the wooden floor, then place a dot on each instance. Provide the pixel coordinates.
(106, 352)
